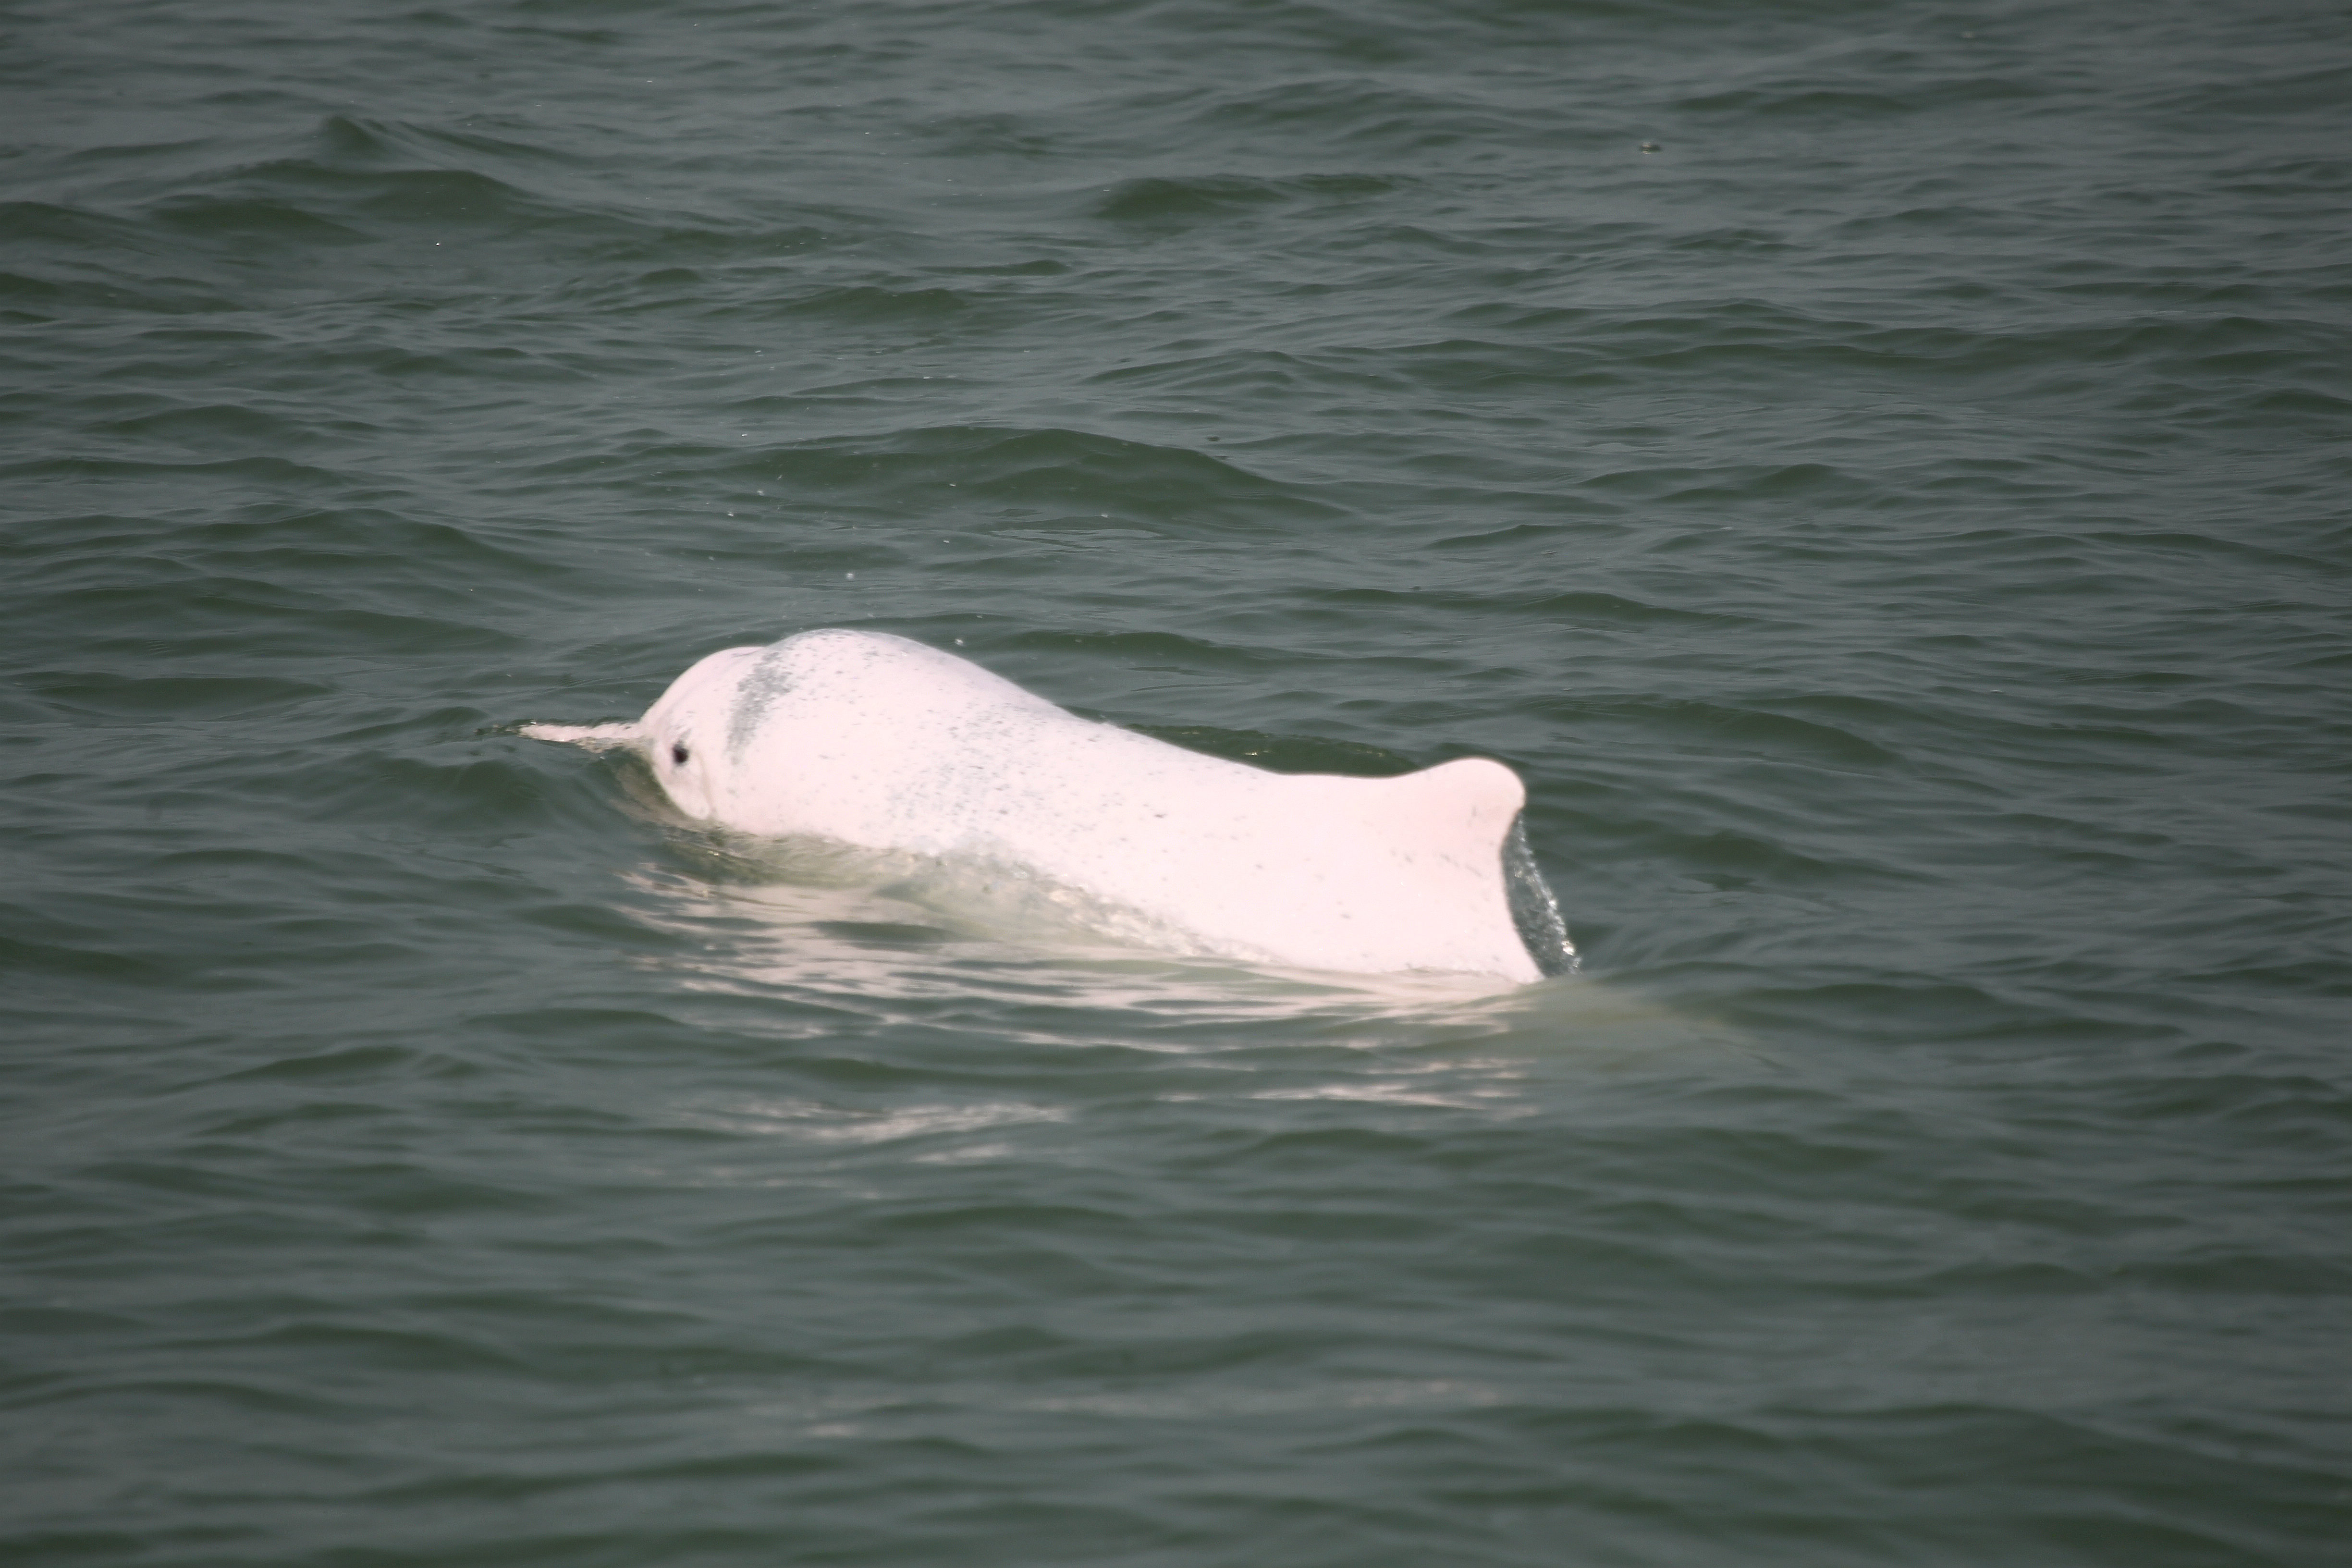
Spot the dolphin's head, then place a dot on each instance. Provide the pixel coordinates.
(686, 733)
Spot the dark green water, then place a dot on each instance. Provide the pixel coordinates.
(1898, 528)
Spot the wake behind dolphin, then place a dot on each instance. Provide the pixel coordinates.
(873, 741)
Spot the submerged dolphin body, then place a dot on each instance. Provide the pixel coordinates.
(873, 740)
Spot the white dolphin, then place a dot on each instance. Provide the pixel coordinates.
(873, 740)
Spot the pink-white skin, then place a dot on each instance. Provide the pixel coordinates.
(874, 740)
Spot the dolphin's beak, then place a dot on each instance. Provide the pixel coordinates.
(595, 737)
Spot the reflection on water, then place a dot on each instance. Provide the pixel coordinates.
(853, 1415)
(976, 932)
(898, 937)
(811, 1123)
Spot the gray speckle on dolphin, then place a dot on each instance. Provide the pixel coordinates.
(883, 744)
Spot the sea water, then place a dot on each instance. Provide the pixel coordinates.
(1878, 471)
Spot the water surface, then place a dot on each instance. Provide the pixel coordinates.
(1877, 471)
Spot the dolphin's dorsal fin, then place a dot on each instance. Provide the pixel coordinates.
(1471, 815)
(1461, 810)
(1394, 873)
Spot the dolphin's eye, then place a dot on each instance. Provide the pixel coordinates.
(678, 753)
